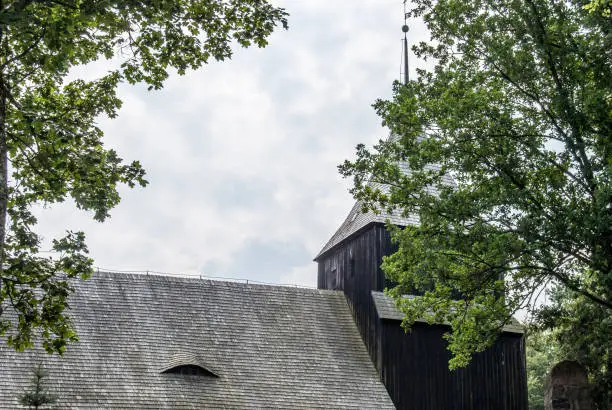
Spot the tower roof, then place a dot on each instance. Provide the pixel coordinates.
(357, 219)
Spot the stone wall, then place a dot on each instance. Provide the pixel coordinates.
(567, 388)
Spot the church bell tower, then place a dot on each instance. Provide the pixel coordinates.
(414, 365)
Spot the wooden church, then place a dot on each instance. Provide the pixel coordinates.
(159, 342)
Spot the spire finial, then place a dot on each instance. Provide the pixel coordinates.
(405, 29)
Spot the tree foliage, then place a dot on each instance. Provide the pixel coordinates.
(38, 395)
(518, 110)
(582, 331)
(51, 148)
(542, 354)
(604, 7)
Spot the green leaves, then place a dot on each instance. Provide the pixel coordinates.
(599, 6)
(581, 331)
(38, 395)
(51, 147)
(518, 111)
(542, 353)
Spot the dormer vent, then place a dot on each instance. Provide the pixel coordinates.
(188, 365)
(190, 370)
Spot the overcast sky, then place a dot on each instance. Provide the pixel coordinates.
(241, 155)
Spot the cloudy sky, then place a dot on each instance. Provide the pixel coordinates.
(241, 155)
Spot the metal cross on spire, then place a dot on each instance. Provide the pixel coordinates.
(405, 29)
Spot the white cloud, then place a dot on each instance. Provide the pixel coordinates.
(305, 275)
(242, 155)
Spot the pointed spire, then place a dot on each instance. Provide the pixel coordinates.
(357, 220)
(405, 29)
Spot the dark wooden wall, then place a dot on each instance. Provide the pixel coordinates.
(414, 366)
(354, 267)
(415, 371)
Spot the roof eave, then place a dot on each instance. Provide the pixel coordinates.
(324, 251)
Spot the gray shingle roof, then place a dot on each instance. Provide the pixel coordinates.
(356, 219)
(271, 346)
(385, 307)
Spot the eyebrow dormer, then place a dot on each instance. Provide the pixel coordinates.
(188, 364)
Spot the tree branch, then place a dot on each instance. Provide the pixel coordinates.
(570, 111)
(25, 51)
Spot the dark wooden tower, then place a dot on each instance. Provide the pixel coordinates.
(414, 366)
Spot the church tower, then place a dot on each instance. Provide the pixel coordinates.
(414, 366)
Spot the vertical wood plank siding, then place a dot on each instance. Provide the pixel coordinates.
(415, 371)
(414, 366)
(366, 250)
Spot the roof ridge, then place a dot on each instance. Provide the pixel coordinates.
(238, 282)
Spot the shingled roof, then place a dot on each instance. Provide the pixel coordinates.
(387, 310)
(357, 219)
(261, 346)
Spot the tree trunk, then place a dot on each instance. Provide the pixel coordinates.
(3, 161)
(3, 172)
